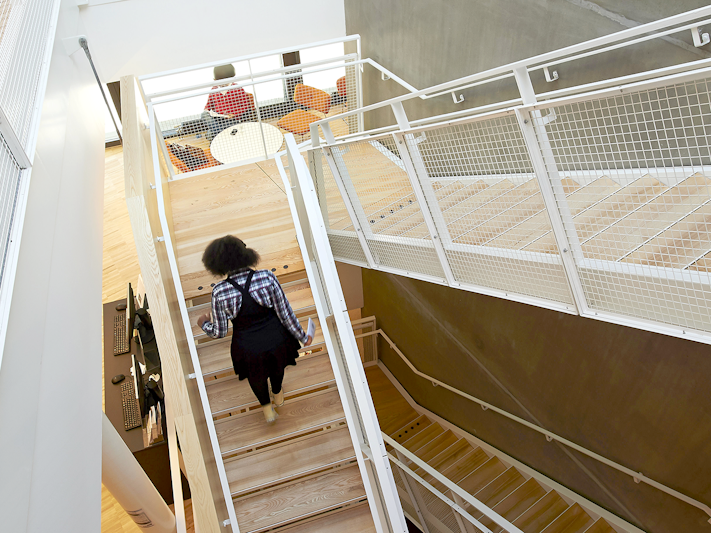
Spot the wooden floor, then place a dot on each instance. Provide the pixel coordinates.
(120, 266)
(248, 202)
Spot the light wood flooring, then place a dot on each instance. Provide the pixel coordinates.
(120, 266)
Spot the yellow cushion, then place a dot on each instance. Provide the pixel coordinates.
(312, 97)
(298, 121)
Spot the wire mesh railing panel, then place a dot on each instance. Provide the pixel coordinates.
(640, 225)
(247, 120)
(10, 173)
(384, 199)
(485, 199)
(24, 28)
(341, 233)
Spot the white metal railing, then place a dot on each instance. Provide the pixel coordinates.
(342, 345)
(26, 42)
(549, 435)
(594, 202)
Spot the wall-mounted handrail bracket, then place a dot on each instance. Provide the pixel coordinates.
(550, 76)
(700, 38)
(457, 100)
(384, 76)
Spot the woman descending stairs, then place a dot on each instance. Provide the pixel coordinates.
(299, 473)
(519, 498)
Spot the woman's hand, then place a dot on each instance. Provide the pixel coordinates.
(202, 319)
(309, 340)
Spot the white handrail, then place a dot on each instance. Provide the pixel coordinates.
(456, 489)
(595, 46)
(550, 436)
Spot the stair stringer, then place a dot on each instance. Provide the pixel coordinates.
(594, 510)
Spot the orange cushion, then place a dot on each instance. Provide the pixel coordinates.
(341, 86)
(298, 121)
(312, 97)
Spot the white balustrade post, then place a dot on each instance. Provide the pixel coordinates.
(549, 182)
(415, 497)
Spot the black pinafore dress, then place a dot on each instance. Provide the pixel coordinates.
(259, 339)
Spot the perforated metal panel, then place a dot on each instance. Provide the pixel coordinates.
(639, 224)
(10, 174)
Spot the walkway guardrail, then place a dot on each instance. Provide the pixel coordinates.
(637, 477)
(596, 201)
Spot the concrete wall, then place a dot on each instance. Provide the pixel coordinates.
(50, 380)
(638, 398)
(427, 42)
(144, 36)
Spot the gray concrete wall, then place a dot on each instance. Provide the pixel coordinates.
(638, 398)
(427, 42)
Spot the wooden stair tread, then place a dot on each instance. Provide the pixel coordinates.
(542, 513)
(679, 245)
(433, 448)
(572, 520)
(466, 228)
(215, 356)
(233, 393)
(353, 520)
(421, 438)
(295, 416)
(703, 264)
(411, 428)
(451, 455)
(516, 503)
(288, 460)
(600, 527)
(622, 236)
(461, 469)
(482, 476)
(268, 509)
(500, 487)
(606, 212)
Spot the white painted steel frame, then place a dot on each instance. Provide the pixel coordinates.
(13, 249)
(173, 262)
(550, 436)
(387, 489)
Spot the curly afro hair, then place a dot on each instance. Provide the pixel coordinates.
(227, 255)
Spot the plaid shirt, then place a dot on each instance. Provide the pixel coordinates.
(266, 291)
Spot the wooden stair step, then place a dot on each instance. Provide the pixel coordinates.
(215, 356)
(542, 513)
(451, 208)
(421, 438)
(600, 527)
(516, 503)
(436, 445)
(703, 264)
(679, 245)
(465, 229)
(282, 505)
(606, 212)
(298, 416)
(411, 428)
(500, 487)
(538, 225)
(572, 520)
(462, 468)
(356, 519)
(518, 214)
(289, 460)
(451, 455)
(482, 476)
(622, 236)
(234, 394)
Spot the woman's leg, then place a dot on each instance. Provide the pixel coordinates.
(276, 377)
(260, 388)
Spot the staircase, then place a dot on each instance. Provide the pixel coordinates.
(300, 473)
(528, 503)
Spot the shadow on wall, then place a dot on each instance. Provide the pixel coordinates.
(635, 397)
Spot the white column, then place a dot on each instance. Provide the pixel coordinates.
(129, 484)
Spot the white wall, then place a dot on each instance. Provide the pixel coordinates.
(144, 36)
(50, 379)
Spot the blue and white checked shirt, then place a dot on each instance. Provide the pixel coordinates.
(266, 291)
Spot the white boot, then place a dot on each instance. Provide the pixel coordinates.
(270, 415)
(279, 398)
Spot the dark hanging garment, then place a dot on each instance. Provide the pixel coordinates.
(259, 339)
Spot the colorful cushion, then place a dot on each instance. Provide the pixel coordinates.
(298, 121)
(312, 98)
(341, 86)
